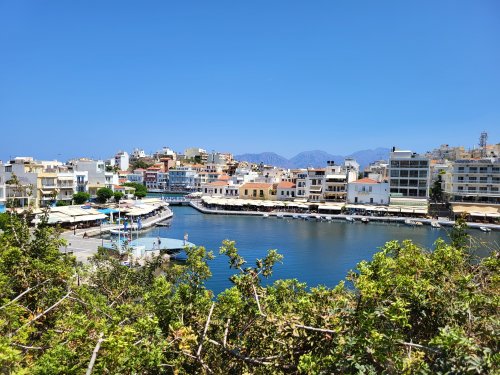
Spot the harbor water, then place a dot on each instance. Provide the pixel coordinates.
(318, 253)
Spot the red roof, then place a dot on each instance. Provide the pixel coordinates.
(224, 177)
(286, 185)
(365, 180)
(218, 183)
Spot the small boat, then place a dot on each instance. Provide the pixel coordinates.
(265, 216)
(410, 222)
(305, 217)
(365, 220)
(296, 216)
(318, 217)
(419, 223)
(328, 218)
(280, 216)
(485, 229)
(435, 224)
(350, 219)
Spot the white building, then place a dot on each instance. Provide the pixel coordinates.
(122, 160)
(96, 175)
(368, 191)
(285, 190)
(409, 175)
(474, 180)
(138, 153)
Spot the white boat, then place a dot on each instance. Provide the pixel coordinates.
(350, 219)
(485, 229)
(265, 216)
(365, 220)
(280, 216)
(419, 223)
(328, 218)
(435, 224)
(410, 222)
(296, 216)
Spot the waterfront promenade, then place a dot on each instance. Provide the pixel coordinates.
(84, 246)
(344, 217)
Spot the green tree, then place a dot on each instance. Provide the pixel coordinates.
(141, 164)
(81, 197)
(140, 190)
(118, 195)
(103, 194)
(436, 190)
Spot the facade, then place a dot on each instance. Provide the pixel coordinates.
(96, 175)
(256, 190)
(121, 160)
(474, 180)
(218, 188)
(368, 191)
(285, 190)
(409, 175)
(182, 179)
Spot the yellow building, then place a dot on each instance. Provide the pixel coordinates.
(257, 190)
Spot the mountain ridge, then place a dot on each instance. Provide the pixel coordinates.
(314, 158)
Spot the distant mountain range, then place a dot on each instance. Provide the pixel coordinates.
(315, 158)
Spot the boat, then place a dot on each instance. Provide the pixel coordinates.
(280, 216)
(265, 216)
(419, 223)
(485, 229)
(318, 217)
(435, 224)
(365, 220)
(410, 222)
(328, 218)
(350, 219)
(296, 216)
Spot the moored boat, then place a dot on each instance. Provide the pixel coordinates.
(435, 224)
(365, 220)
(485, 229)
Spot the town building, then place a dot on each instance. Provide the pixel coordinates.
(256, 190)
(474, 181)
(121, 161)
(368, 191)
(409, 175)
(285, 190)
(182, 179)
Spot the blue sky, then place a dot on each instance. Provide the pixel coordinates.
(91, 77)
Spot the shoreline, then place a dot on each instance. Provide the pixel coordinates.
(343, 217)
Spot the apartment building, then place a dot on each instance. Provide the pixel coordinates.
(409, 175)
(368, 191)
(474, 181)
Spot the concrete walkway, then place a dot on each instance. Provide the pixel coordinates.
(83, 248)
(383, 219)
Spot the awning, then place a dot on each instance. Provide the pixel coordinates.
(482, 210)
(331, 208)
(89, 218)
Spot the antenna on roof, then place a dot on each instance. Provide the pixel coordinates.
(482, 143)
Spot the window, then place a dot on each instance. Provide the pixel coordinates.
(246, 192)
(261, 193)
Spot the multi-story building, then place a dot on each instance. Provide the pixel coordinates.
(121, 160)
(474, 180)
(377, 170)
(409, 175)
(96, 175)
(368, 191)
(182, 179)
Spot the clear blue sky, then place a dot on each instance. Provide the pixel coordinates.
(91, 77)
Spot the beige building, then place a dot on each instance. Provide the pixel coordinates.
(257, 190)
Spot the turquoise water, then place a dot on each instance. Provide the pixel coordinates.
(314, 252)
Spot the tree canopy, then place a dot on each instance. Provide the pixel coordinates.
(408, 310)
(103, 194)
(140, 190)
(81, 197)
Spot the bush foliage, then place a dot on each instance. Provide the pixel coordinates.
(408, 310)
